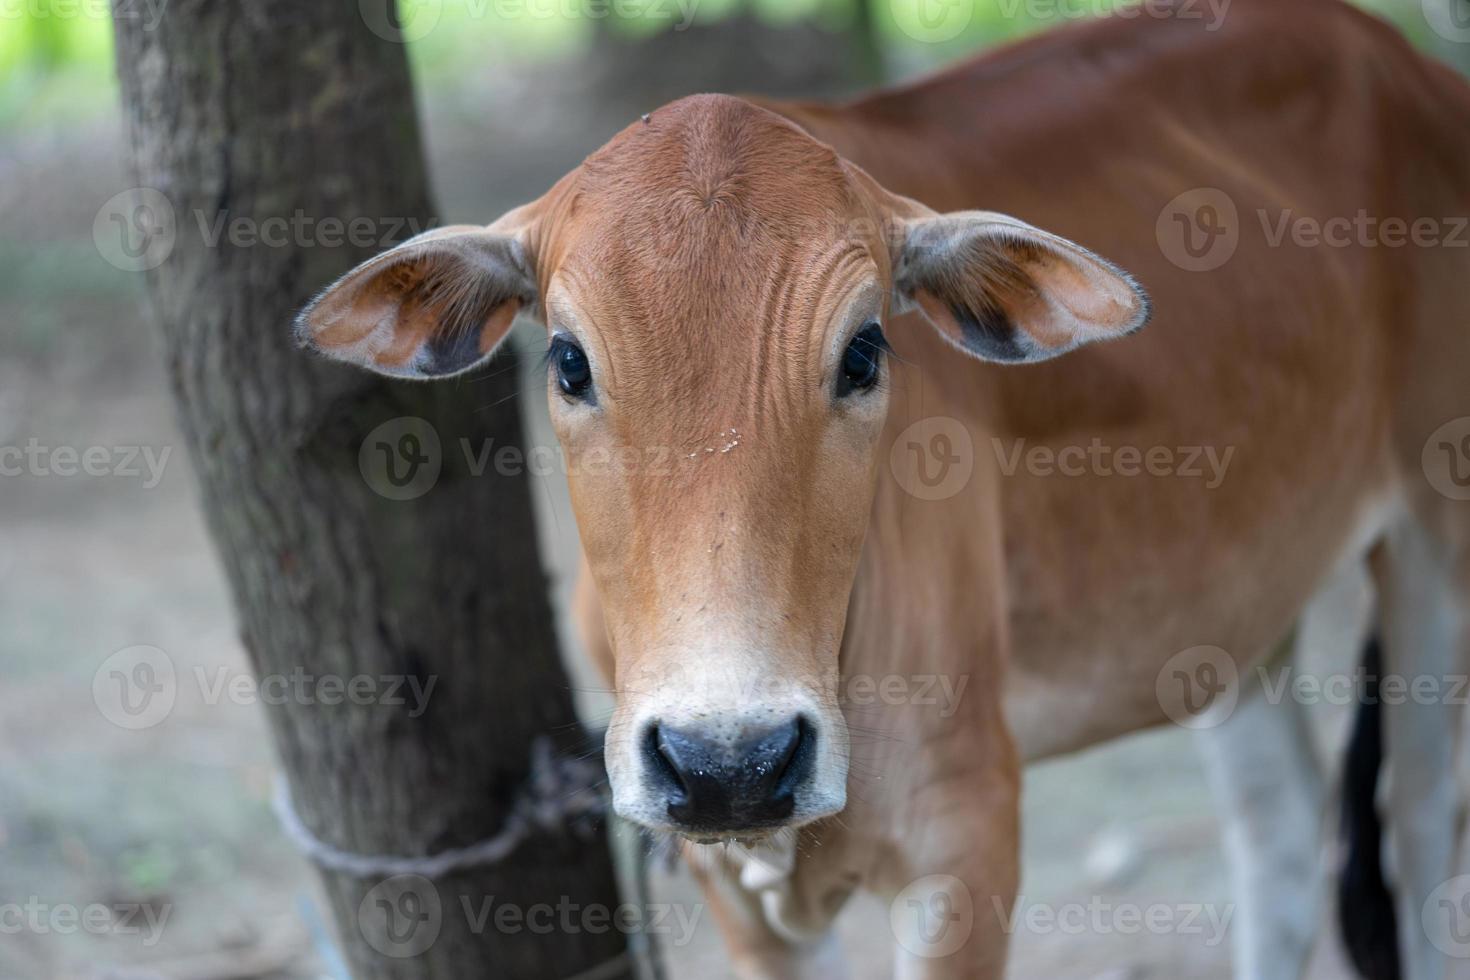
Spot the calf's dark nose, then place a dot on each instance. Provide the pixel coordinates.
(716, 785)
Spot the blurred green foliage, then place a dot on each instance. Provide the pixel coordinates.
(56, 55)
(55, 61)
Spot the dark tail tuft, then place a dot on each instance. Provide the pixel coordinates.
(1364, 902)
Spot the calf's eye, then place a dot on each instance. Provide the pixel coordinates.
(861, 360)
(573, 373)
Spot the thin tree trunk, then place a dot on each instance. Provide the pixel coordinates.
(870, 68)
(284, 109)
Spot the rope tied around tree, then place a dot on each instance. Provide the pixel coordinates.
(561, 793)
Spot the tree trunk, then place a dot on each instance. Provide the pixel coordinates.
(240, 113)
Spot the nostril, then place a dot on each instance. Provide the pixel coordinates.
(768, 757)
(798, 758)
(663, 768)
(696, 778)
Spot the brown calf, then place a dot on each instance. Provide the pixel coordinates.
(721, 284)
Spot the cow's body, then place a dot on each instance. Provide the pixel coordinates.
(1316, 365)
(1312, 374)
(720, 288)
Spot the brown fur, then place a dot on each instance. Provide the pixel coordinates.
(710, 261)
(1324, 368)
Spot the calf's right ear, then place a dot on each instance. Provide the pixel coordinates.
(435, 306)
(1001, 290)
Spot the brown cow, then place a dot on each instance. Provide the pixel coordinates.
(839, 372)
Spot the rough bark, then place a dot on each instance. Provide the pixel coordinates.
(278, 108)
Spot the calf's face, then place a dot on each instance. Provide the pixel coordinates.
(715, 285)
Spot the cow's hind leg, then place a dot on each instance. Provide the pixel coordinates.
(1365, 904)
(1420, 605)
(1268, 785)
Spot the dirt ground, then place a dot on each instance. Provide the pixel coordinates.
(177, 816)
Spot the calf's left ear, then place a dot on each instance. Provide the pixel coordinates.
(1001, 290)
(435, 306)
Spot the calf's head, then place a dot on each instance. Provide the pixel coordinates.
(715, 285)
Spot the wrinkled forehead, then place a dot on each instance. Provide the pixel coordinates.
(715, 167)
(712, 213)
